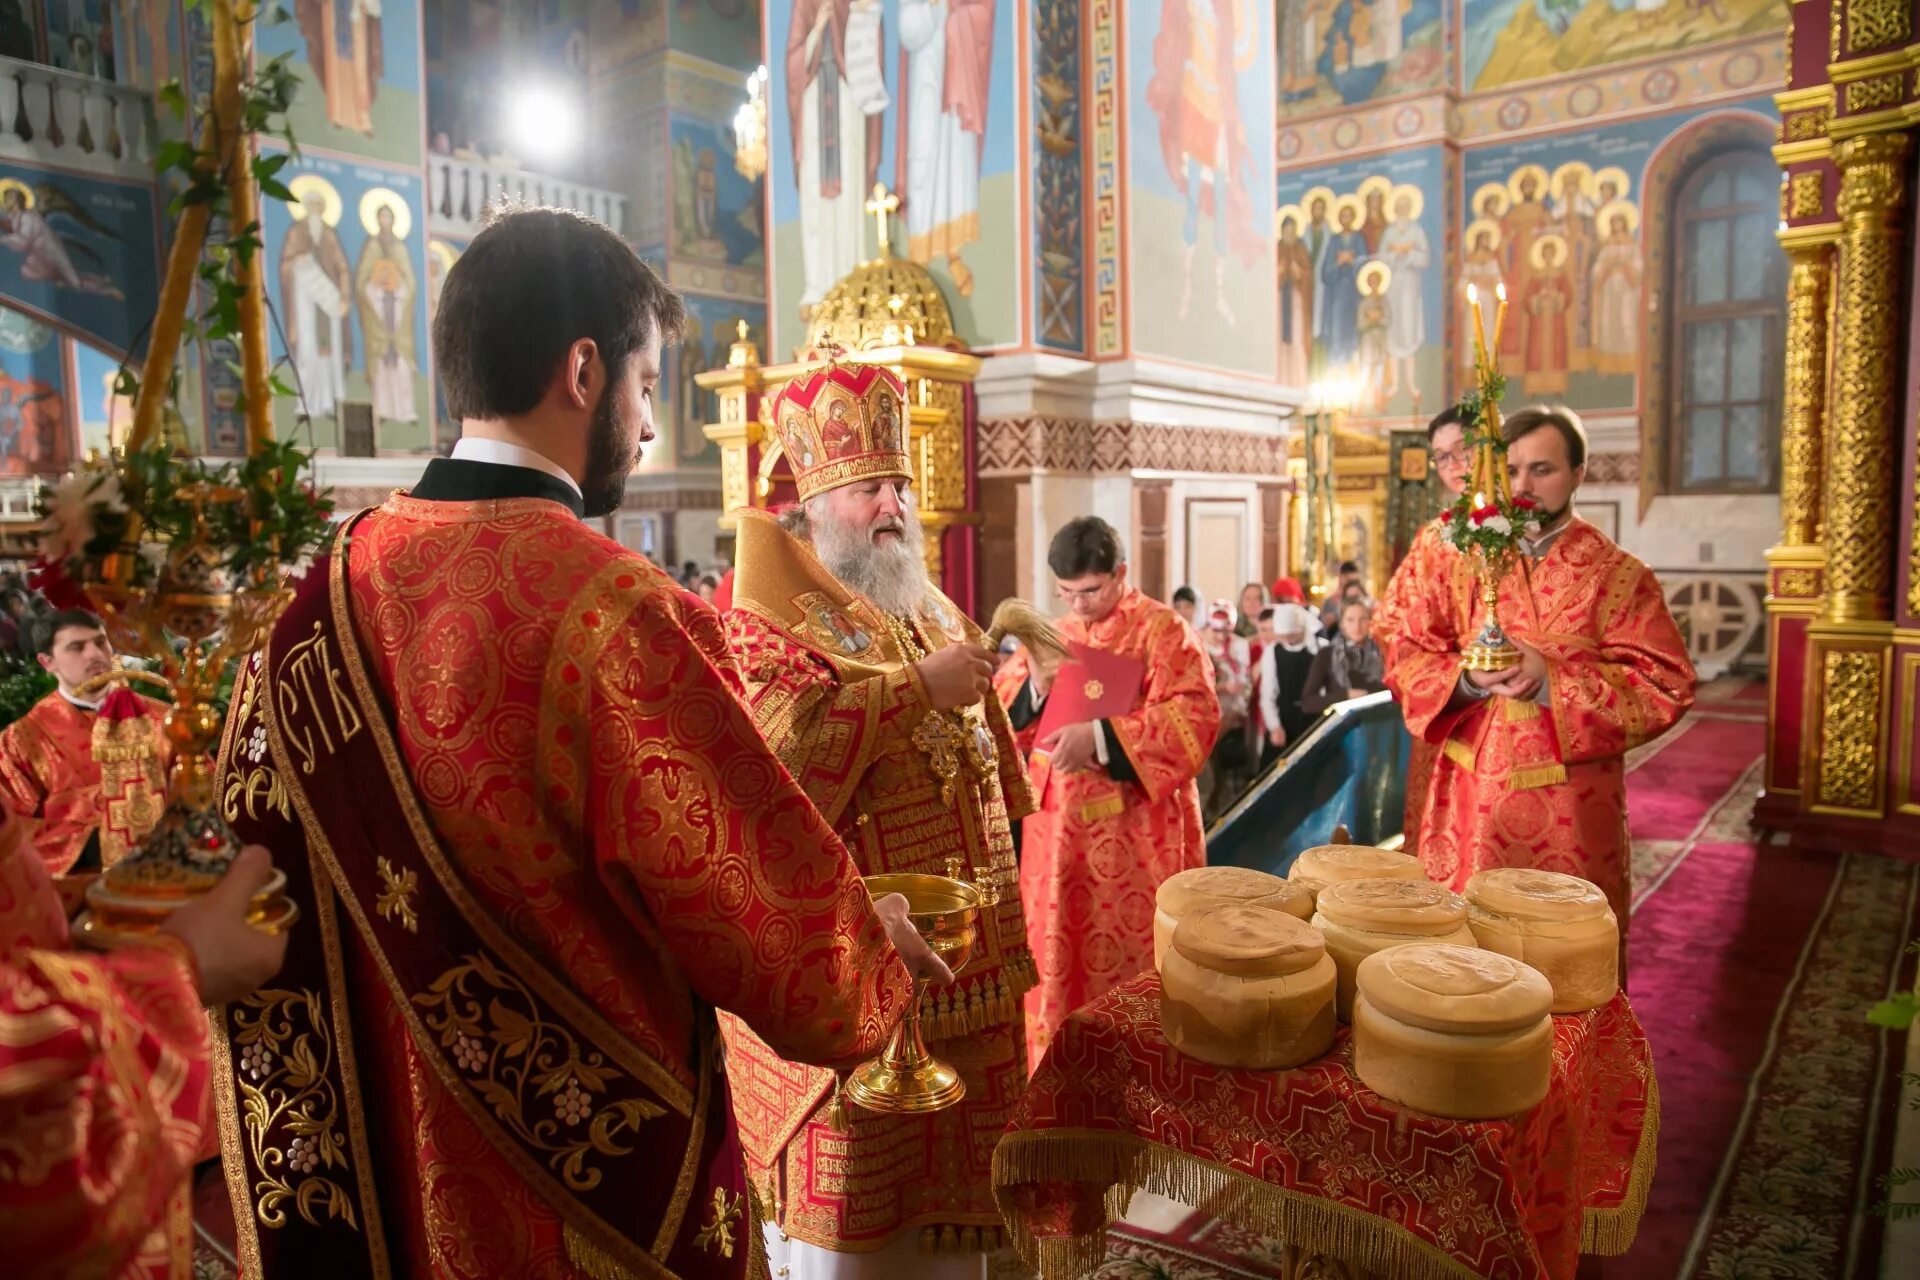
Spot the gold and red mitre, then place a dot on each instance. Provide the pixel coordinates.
(841, 424)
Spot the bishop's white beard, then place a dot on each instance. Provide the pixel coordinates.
(893, 575)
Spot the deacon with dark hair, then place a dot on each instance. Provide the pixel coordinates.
(1119, 811)
(49, 779)
(1428, 561)
(504, 760)
(1530, 767)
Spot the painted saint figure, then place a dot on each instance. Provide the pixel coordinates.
(1525, 221)
(1197, 57)
(384, 287)
(344, 49)
(315, 285)
(1405, 249)
(1616, 292)
(27, 228)
(949, 46)
(1339, 285)
(1295, 270)
(1374, 321)
(836, 143)
(1547, 304)
(1481, 270)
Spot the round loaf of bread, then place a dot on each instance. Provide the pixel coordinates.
(1360, 917)
(1453, 1031)
(1185, 892)
(1327, 864)
(1560, 924)
(1247, 986)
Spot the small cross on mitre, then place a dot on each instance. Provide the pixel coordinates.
(881, 204)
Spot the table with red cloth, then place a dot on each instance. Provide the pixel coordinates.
(1314, 1158)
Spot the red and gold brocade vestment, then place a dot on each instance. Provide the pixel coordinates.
(1429, 559)
(50, 779)
(1095, 851)
(594, 823)
(1539, 784)
(910, 789)
(103, 1093)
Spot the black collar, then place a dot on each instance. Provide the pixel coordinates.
(464, 480)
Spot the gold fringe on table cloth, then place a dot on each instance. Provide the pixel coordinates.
(1124, 1164)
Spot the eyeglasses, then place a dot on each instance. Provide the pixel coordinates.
(1461, 460)
(1070, 594)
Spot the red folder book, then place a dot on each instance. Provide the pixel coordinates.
(1091, 685)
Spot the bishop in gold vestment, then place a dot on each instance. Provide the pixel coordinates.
(869, 684)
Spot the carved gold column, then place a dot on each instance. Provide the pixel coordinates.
(1804, 409)
(1851, 642)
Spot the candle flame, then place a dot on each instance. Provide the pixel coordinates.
(1473, 295)
(1500, 291)
(1479, 500)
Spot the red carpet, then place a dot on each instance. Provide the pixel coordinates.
(1751, 967)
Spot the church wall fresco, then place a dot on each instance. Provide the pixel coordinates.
(1338, 227)
(79, 250)
(102, 416)
(713, 326)
(717, 213)
(360, 72)
(1505, 42)
(1342, 53)
(36, 434)
(1200, 188)
(1561, 220)
(346, 274)
(722, 31)
(923, 101)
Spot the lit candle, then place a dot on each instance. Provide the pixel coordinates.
(1479, 329)
(1499, 313)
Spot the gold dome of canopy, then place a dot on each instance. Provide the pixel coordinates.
(883, 302)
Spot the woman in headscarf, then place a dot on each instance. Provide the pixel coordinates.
(1284, 668)
(1349, 667)
(1227, 765)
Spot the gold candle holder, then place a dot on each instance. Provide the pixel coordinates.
(191, 846)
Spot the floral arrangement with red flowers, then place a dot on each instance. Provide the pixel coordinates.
(1487, 519)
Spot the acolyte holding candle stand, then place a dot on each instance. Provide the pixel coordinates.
(1487, 521)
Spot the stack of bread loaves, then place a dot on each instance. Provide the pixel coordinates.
(1185, 892)
(1244, 986)
(1360, 917)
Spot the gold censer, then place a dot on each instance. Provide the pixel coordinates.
(907, 1080)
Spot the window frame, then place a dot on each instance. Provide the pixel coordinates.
(1770, 308)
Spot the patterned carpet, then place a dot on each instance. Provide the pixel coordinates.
(1751, 966)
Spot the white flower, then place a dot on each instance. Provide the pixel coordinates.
(1497, 524)
(70, 512)
(155, 554)
(298, 569)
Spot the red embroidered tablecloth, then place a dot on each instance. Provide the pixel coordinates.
(1313, 1157)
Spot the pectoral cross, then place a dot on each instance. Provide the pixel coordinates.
(882, 203)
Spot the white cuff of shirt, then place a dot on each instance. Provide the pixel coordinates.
(1100, 743)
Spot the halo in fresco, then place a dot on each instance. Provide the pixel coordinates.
(1494, 192)
(1483, 226)
(312, 183)
(1619, 209)
(1538, 257)
(1407, 191)
(1373, 271)
(1520, 176)
(370, 204)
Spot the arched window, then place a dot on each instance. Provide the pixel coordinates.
(1729, 320)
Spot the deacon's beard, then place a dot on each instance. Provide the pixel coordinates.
(893, 575)
(604, 486)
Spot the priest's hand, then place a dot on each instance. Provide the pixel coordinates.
(1071, 750)
(914, 951)
(1514, 682)
(233, 957)
(957, 676)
